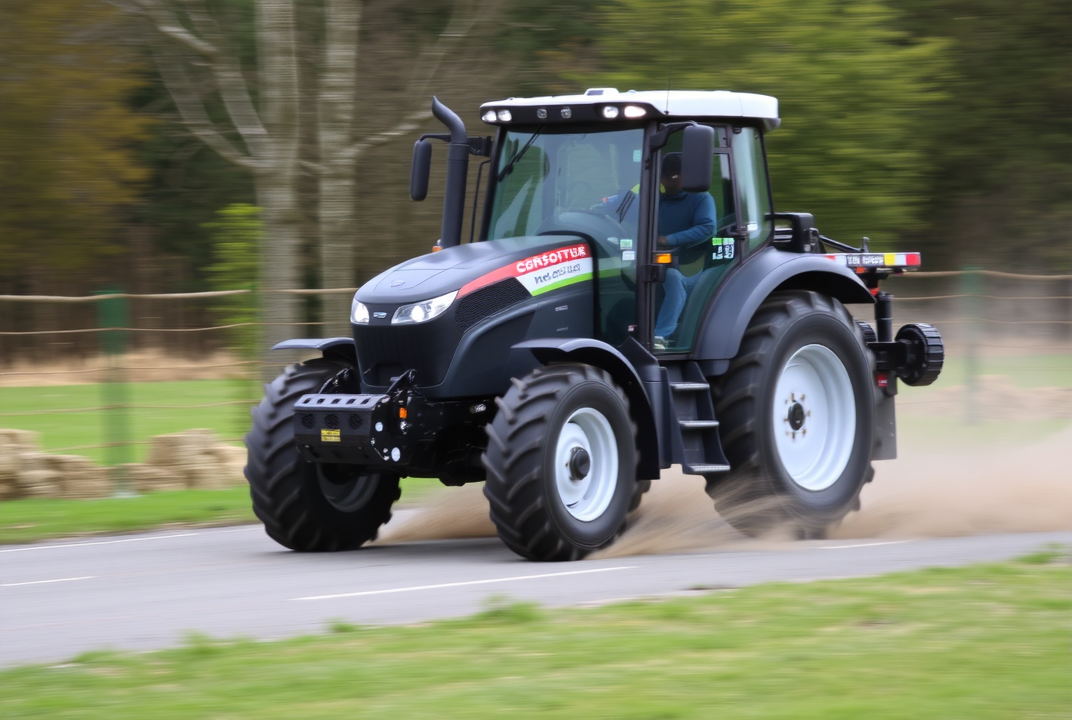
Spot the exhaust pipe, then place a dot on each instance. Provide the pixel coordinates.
(457, 174)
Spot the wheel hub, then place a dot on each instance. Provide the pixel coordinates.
(580, 463)
(814, 415)
(796, 416)
(586, 464)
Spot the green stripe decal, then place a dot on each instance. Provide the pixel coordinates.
(561, 283)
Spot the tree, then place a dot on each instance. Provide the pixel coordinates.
(852, 88)
(237, 234)
(1000, 139)
(262, 125)
(67, 166)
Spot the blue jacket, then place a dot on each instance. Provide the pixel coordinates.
(687, 218)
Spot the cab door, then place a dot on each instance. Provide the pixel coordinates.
(699, 236)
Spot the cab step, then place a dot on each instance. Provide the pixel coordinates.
(690, 386)
(697, 424)
(697, 446)
(705, 469)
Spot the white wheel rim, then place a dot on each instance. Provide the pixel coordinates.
(814, 417)
(587, 497)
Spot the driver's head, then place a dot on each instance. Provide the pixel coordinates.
(670, 177)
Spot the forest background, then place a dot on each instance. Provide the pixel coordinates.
(183, 145)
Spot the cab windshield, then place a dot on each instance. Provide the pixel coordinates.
(548, 178)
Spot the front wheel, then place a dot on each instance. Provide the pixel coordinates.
(306, 506)
(797, 414)
(561, 463)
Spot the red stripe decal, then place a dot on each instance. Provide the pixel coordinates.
(529, 264)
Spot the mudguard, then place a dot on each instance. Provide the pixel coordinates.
(339, 348)
(602, 355)
(770, 269)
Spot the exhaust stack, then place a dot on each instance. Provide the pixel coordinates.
(457, 174)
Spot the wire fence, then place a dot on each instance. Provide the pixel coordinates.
(100, 375)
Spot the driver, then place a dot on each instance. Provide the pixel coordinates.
(684, 219)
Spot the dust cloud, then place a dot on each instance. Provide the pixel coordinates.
(1009, 489)
(925, 493)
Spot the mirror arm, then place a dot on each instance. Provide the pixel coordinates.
(659, 138)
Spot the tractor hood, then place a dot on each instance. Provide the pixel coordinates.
(468, 267)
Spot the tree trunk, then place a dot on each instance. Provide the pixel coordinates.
(338, 229)
(277, 175)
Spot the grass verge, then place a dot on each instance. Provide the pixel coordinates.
(981, 642)
(30, 520)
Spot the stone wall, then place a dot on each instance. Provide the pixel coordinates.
(190, 459)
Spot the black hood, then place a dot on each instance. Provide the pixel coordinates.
(438, 273)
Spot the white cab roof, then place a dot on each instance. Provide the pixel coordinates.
(671, 104)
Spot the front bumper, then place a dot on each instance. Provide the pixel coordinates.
(361, 429)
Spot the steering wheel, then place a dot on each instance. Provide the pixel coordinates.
(592, 223)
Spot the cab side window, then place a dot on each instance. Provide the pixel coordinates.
(755, 207)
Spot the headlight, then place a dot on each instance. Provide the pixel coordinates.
(358, 313)
(423, 311)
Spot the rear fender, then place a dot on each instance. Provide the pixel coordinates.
(600, 354)
(770, 270)
(336, 348)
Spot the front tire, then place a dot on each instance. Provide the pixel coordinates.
(797, 414)
(306, 506)
(561, 463)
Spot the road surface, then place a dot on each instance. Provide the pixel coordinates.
(141, 592)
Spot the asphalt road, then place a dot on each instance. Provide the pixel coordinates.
(140, 592)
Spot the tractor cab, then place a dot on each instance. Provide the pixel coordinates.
(593, 166)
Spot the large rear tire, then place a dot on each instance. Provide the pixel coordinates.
(306, 506)
(797, 414)
(561, 463)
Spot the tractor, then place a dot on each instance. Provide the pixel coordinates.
(627, 301)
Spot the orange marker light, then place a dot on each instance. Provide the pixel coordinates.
(663, 258)
(402, 413)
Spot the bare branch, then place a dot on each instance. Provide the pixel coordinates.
(466, 15)
(461, 24)
(406, 125)
(193, 113)
(167, 24)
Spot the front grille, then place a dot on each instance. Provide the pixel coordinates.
(386, 351)
(332, 421)
(354, 422)
(308, 421)
(489, 300)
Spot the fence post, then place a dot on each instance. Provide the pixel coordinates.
(970, 283)
(112, 313)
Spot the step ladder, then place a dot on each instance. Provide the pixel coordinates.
(701, 448)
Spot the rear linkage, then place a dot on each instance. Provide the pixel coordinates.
(917, 353)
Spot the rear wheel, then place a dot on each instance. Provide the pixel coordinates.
(797, 414)
(307, 506)
(561, 463)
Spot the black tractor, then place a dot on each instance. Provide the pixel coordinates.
(631, 301)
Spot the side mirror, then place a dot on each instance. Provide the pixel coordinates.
(422, 165)
(697, 157)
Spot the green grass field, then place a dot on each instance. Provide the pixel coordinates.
(1022, 370)
(985, 642)
(31, 520)
(78, 429)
